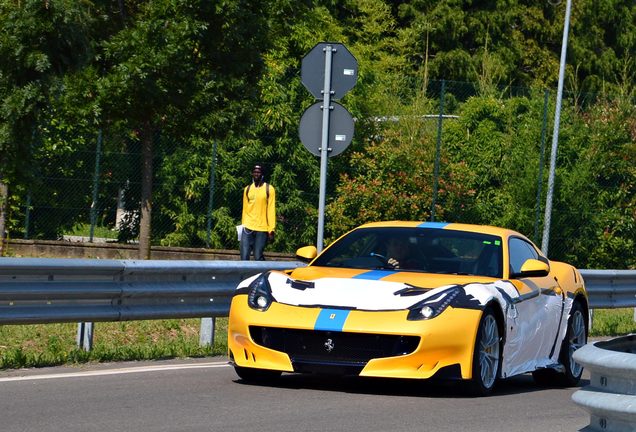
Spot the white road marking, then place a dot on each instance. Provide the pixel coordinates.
(120, 371)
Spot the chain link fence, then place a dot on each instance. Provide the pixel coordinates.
(91, 191)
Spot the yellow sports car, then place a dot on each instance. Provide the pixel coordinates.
(417, 300)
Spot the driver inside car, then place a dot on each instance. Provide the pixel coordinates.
(400, 254)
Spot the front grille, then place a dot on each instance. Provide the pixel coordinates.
(332, 348)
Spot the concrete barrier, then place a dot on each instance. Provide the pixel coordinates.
(122, 251)
(611, 396)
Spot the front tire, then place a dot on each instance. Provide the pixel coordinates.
(575, 338)
(487, 355)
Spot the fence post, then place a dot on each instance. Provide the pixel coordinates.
(95, 186)
(437, 149)
(541, 162)
(27, 215)
(27, 208)
(211, 197)
(4, 207)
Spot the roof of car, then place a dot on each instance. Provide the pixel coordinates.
(485, 229)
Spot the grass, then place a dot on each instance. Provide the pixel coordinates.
(84, 230)
(613, 322)
(54, 344)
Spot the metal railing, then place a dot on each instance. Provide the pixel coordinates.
(609, 289)
(41, 290)
(52, 290)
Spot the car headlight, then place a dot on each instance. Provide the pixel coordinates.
(259, 294)
(432, 306)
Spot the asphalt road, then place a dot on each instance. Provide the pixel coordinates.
(206, 395)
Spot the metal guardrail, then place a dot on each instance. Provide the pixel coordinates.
(47, 290)
(41, 290)
(51, 290)
(608, 289)
(610, 398)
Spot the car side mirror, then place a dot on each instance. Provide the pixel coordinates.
(534, 268)
(307, 253)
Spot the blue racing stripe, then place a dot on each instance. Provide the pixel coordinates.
(374, 274)
(331, 319)
(433, 225)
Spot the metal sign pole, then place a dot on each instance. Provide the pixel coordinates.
(326, 127)
(438, 149)
(555, 134)
(324, 144)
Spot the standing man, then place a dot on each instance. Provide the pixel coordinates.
(259, 215)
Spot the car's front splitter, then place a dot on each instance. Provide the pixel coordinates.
(444, 341)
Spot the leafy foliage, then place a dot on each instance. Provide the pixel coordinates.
(181, 75)
(40, 42)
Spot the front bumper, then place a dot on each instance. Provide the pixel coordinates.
(445, 341)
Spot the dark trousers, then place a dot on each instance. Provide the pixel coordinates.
(253, 241)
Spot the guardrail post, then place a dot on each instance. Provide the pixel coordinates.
(85, 336)
(206, 334)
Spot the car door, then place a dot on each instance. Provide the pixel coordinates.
(538, 311)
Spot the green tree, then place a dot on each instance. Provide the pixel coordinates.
(169, 78)
(171, 54)
(521, 41)
(598, 190)
(40, 41)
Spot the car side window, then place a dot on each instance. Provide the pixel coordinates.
(520, 251)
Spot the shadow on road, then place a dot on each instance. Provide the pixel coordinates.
(400, 387)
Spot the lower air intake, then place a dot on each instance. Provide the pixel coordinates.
(312, 350)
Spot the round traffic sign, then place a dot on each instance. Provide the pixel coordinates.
(340, 129)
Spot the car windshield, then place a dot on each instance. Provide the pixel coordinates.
(416, 249)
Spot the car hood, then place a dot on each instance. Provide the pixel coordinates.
(372, 291)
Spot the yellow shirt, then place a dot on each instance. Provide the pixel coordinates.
(259, 212)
